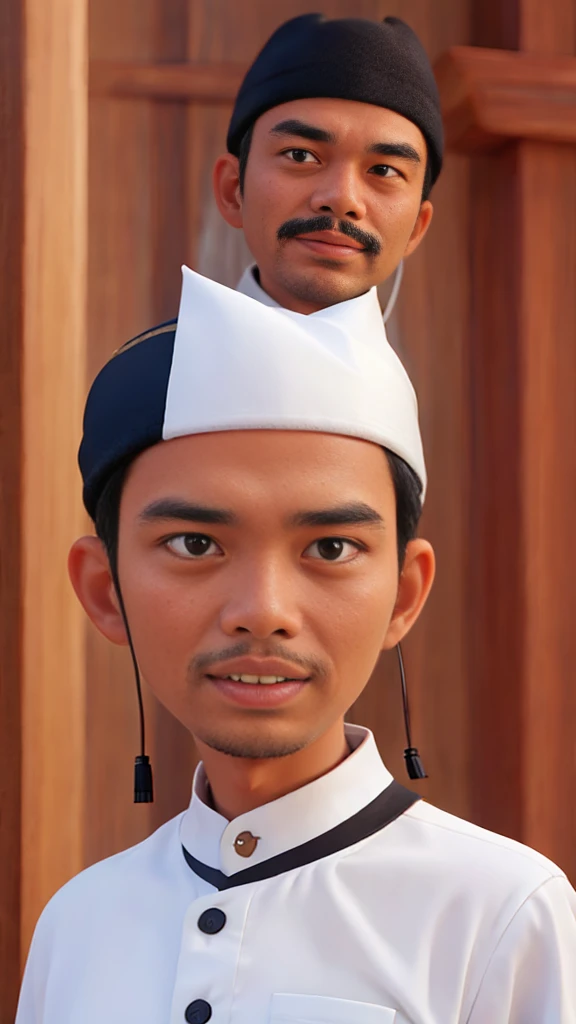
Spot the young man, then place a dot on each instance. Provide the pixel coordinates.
(256, 477)
(334, 145)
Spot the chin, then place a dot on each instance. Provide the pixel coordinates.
(325, 283)
(259, 746)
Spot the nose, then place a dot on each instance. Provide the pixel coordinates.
(262, 601)
(339, 192)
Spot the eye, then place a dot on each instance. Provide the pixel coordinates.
(300, 156)
(192, 546)
(333, 549)
(384, 171)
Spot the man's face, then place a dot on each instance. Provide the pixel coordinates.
(263, 554)
(332, 198)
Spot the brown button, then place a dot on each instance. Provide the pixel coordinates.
(245, 844)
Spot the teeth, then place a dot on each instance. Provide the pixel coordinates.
(264, 680)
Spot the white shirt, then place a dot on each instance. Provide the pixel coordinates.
(430, 920)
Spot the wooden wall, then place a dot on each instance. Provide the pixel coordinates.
(105, 193)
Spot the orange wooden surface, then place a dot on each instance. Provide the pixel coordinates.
(492, 96)
(53, 367)
(11, 326)
(211, 83)
(522, 587)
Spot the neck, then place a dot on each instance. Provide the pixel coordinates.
(239, 784)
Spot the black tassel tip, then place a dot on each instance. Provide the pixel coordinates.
(143, 791)
(414, 765)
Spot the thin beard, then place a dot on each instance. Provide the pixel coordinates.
(252, 752)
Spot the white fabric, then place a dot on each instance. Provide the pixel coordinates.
(241, 365)
(430, 921)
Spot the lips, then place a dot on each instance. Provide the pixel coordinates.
(253, 671)
(258, 695)
(332, 238)
(257, 682)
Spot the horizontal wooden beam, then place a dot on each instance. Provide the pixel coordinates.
(207, 83)
(492, 96)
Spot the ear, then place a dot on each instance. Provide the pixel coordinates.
(226, 184)
(90, 575)
(421, 226)
(414, 585)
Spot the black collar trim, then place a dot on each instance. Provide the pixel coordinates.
(388, 805)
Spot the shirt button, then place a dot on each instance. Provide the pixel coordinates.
(245, 844)
(198, 1012)
(212, 921)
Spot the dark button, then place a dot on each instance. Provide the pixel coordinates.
(198, 1012)
(245, 844)
(212, 921)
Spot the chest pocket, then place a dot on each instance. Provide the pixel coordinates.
(296, 1009)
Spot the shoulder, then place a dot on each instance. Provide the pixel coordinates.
(132, 877)
(475, 856)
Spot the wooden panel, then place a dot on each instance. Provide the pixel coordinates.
(53, 389)
(212, 83)
(491, 96)
(548, 330)
(547, 28)
(524, 502)
(523, 321)
(11, 326)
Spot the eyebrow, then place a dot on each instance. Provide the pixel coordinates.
(303, 131)
(400, 149)
(353, 513)
(175, 508)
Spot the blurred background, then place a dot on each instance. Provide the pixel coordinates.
(111, 115)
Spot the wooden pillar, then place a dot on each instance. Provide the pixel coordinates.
(515, 112)
(11, 233)
(52, 249)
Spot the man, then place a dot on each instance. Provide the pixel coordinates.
(334, 145)
(256, 477)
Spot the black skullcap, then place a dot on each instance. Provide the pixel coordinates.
(382, 63)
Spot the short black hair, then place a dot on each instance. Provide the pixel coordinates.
(407, 489)
(244, 152)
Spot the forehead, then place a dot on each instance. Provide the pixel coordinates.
(362, 124)
(261, 468)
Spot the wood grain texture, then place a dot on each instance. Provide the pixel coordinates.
(547, 320)
(523, 435)
(524, 501)
(492, 96)
(54, 294)
(208, 83)
(11, 327)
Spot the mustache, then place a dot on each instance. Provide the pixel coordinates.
(303, 226)
(203, 662)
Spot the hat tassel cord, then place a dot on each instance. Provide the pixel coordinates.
(414, 765)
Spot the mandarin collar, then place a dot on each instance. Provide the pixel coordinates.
(291, 820)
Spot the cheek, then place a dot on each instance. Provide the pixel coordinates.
(168, 618)
(352, 617)
(270, 198)
(396, 219)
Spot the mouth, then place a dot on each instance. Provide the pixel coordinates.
(271, 686)
(331, 243)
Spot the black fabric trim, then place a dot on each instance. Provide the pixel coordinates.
(388, 805)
